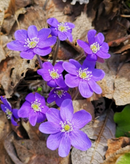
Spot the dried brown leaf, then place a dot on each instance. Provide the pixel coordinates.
(3, 6)
(113, 158)
(116, 144)
(116, 83)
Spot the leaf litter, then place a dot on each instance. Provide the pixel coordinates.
(17, 75)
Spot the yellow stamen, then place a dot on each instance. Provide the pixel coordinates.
(67, 127)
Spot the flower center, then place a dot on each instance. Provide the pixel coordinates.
(31, 43)
(8, 113)
(95, 47)
(36, 106)
(84, 74)
(54, 74)
(66, 126)
(60, 93)
(63, 27)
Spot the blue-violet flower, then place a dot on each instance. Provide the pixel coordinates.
(95, 47)
(52, 74)
(58, 95)
(62, 30)
(12, 114)
(32, 42)
(84, 76)
(63, 127)
(33, 108)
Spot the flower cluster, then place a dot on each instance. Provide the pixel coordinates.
(63, 125)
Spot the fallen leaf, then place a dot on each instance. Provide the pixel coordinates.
(113, 159)
(116, 144)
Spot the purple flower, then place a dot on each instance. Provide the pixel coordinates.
(32, 42)
(62, 30)
(95, 46)
(84, 76)
(64, 128)
(52, 74)
(58, 95)
(11, 113)
(33, 108)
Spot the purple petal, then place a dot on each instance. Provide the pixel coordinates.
(80, 140)
(39, 98)
(69, 36)
(53, 22)
(43, 34)
(66, 110)
(91, 36)
(99, 38)
(53, 140)
(16, 46)
(58, 66)
(54, 32)
(3, 107)
(53, 115)
(33, 118)
(21, 35)
(62, 36)
(103, 55)
(40, 117)
(47, 65)
(6, 102)
(71, 81)
(51, 98)
(24, 110)
(84, 89)
(52, 83)
(70, 68)
(64, 147)
(15, 113)
(13, 121)
(85, 46)
(92, 57)
(45, 74)
(76, 63)
(42, 51)
(32, 31)
(81, 118)
(64, 97)
(89, 64)
(30, 97)
(71, 25)
(104, 47)
(27, 54)
(48, 42)
(98, 74)
(94, 86)
(60, 82)
(49, 128)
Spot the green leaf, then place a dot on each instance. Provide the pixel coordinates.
(123, 122)
(123, 159)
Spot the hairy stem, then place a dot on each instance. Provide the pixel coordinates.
(39, 60)
(56, 51)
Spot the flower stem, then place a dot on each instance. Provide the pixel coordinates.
(56, 51)
(39, 60)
